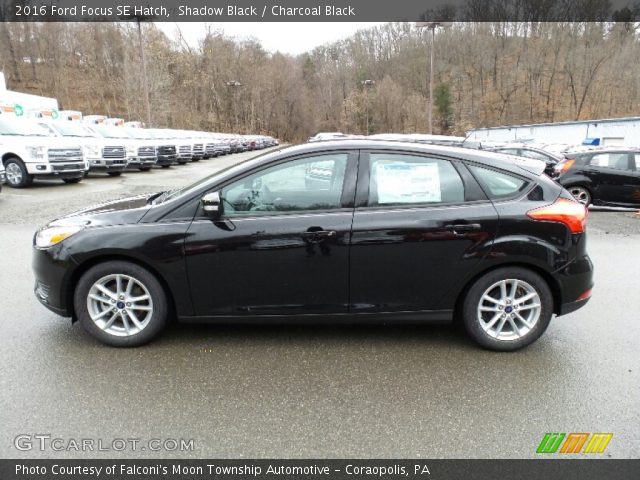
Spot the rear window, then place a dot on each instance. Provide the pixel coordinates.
(497, 184)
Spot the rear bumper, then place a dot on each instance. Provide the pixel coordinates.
(573, 306)
(575, 281)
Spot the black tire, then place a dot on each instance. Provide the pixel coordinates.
(114, 174)
(159, 316)
(25, 179)
(72, 180)
(144, 169)
(472, 301)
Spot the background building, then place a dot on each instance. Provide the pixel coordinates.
(608, 131)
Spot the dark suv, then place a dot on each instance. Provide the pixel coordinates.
(348, 230)
(607, 176)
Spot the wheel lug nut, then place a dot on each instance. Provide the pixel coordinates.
(128, 304)
(500, 307)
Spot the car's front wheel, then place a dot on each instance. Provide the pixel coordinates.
(16, 173)
(121, 304)
(507, 308)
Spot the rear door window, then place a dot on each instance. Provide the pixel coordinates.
(399, 179)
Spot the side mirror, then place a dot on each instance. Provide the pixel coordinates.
(212, 205)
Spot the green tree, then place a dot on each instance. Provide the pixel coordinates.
(443, 103)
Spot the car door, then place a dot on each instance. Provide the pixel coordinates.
(612, 177)
(635, 194)
(421, 222)
(281, 245)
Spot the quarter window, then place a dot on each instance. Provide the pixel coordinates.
(397, 179)
(619, 161)
(498, 185)
(311, 183)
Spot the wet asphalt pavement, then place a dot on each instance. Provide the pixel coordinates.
(316, 391)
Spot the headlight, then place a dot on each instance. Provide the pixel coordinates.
(50, 236)
(37, 152)
(92, 151)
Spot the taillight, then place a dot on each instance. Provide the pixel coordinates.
(564, 165)
(563, 210)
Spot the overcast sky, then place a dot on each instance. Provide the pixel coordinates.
(287, 37)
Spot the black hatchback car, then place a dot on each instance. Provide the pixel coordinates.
(608, 176)
(335, 231)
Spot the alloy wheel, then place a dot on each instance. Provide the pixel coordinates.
(581, 194)
(509, 309)
(120, 305)
(14, 173)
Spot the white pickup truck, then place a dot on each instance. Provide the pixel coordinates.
(103, 154)
(29, 152)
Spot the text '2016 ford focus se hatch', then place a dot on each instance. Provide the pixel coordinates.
(350, 230)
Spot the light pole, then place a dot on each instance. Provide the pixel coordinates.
(144, 73)
(235, 84)
(367, 85)
(432, 26)
(145, 84)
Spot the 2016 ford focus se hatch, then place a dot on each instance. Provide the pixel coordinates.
(349, 230)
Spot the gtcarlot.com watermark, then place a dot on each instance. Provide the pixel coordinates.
(44, 442)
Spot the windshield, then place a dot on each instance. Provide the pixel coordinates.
(173, 194)
(15, 126)
(71, 129)
(110, 132)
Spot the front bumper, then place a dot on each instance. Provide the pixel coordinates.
(166, 160)
(52, 269)
(142, 161)
(108, 164)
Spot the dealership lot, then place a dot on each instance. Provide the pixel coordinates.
(316, 391)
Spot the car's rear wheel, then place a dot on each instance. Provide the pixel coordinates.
(581, 194)
(507, 308)
(121, 304)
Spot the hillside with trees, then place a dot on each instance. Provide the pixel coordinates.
(486, 74)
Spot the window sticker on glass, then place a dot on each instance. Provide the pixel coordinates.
(400, 182)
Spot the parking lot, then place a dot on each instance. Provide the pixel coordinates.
(316, 391)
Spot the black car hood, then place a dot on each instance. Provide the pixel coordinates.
(116, 212)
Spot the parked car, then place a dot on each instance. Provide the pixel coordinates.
(387, 231)
(2, 175)
(102, 153)
(322, 136)
(606, 176)
(549, 158)
(113, 158)
(28, 152)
